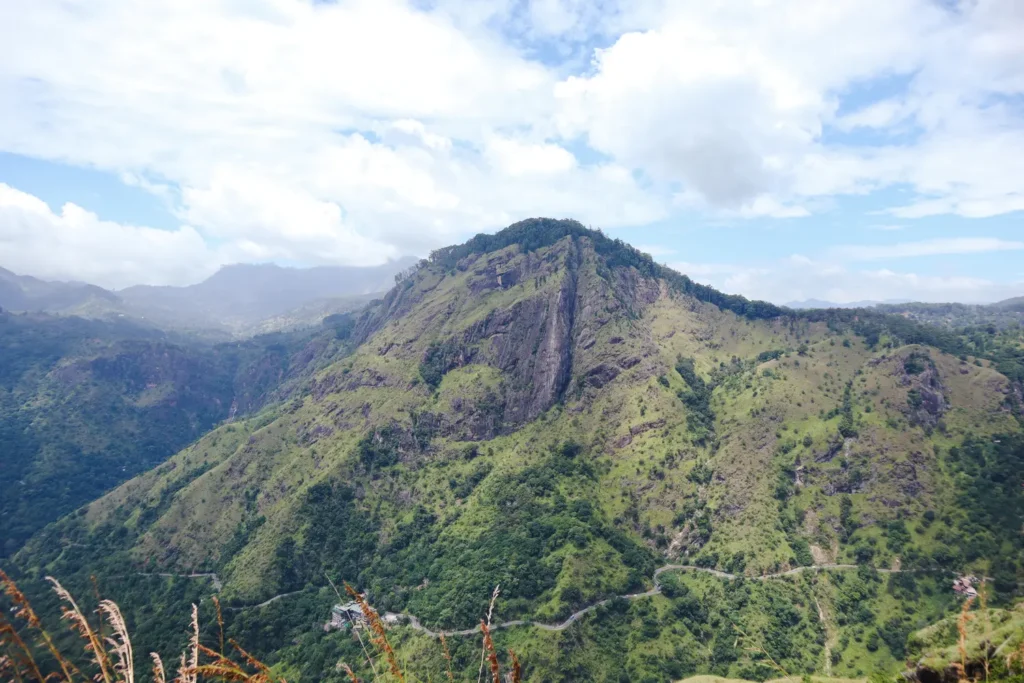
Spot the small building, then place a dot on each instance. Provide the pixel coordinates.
(343, 616)
(964, 585)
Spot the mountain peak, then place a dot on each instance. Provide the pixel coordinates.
(535, 233)
(530, 234)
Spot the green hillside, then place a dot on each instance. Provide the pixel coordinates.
(86, 405)
(548, 410)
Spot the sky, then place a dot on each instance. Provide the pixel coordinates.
(779, 149)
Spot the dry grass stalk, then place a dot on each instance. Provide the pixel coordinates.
(112, 655)
(379, 638)
(220, 623)
(20, 654)
(517, 670)
(120, 642)
(961, 629)
(93, 642)
(224, 669)
(187, 671)
(447, 658)
(351, 674)
(987, 641)
(249, 659)
(492, 656)
(490, 614)
(182, 669)
(24, 611)
(9, 669)
(159, 675)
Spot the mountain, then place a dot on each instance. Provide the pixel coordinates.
(237, 301)
(241, 298)
(1015, 304)
(24, 293)
(86, 404)
(644, 465)
(819, 303)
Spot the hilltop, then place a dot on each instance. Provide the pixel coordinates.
(549, 410)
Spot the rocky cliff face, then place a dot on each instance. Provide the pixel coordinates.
(545, 342)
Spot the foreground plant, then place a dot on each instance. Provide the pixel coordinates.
(28, 653)
(107, 658)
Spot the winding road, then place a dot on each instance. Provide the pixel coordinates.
(415, 624)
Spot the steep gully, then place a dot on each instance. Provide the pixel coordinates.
(415, 624)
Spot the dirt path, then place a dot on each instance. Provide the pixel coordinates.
(217, 585)
(415, 624)
(262, 604)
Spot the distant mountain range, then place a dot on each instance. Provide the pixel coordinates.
(237, 300)
(1015, 304)
(819, 303)
(1001, 314)
(26, 293)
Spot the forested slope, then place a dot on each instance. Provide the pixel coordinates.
(86, 404)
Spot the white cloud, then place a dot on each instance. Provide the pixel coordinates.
(719, 100)
(267, 221)
(351, 131)
(881, 114)
(518, 158)
(344, 132)
(934, 247)
(75, 244)
(798, 278)
(734, 103)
